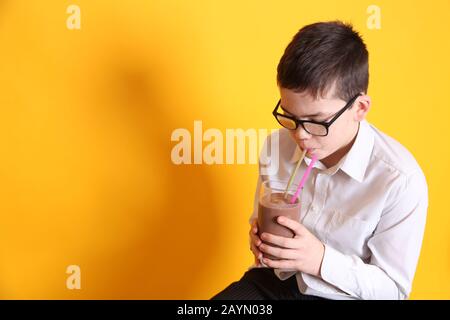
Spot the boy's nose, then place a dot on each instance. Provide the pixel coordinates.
(301, 133)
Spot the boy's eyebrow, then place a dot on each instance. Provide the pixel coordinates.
(305, 116)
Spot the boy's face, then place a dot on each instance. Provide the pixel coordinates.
(331, 148)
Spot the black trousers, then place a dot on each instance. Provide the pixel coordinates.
(263, 284)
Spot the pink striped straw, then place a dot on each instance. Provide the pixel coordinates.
(305, 176)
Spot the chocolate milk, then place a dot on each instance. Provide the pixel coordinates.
(272, 206)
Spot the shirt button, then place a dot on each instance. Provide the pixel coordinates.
(313, 208)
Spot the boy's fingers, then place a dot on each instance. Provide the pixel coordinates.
(256, 252)
(253, 228)
(256, 240)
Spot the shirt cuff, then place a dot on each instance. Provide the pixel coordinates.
(336, 269)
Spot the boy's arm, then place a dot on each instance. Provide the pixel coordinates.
(395, 247)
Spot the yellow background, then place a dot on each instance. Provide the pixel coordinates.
(87, 115)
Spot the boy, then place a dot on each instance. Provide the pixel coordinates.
(363, 208)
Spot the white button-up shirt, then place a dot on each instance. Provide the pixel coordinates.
(369, 210)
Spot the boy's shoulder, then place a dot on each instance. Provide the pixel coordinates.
(391, 153)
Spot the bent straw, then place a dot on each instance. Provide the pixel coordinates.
(305, 176)
(291, 179)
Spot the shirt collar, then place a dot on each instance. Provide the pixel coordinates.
(355, 162)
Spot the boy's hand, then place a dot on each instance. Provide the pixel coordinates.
(303, 253)
(255, 242)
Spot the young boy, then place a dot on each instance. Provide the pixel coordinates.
(364, 206)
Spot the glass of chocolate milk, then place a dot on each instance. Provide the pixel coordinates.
(272, 204)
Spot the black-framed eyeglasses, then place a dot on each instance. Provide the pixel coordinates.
(314, 128)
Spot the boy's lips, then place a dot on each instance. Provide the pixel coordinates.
(310, 150)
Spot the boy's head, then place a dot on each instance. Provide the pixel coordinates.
(324, 67)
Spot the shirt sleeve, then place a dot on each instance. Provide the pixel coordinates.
(395, 247)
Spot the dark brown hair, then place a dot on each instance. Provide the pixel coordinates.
(322, 54)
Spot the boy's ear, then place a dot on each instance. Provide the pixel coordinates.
(362, 107)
